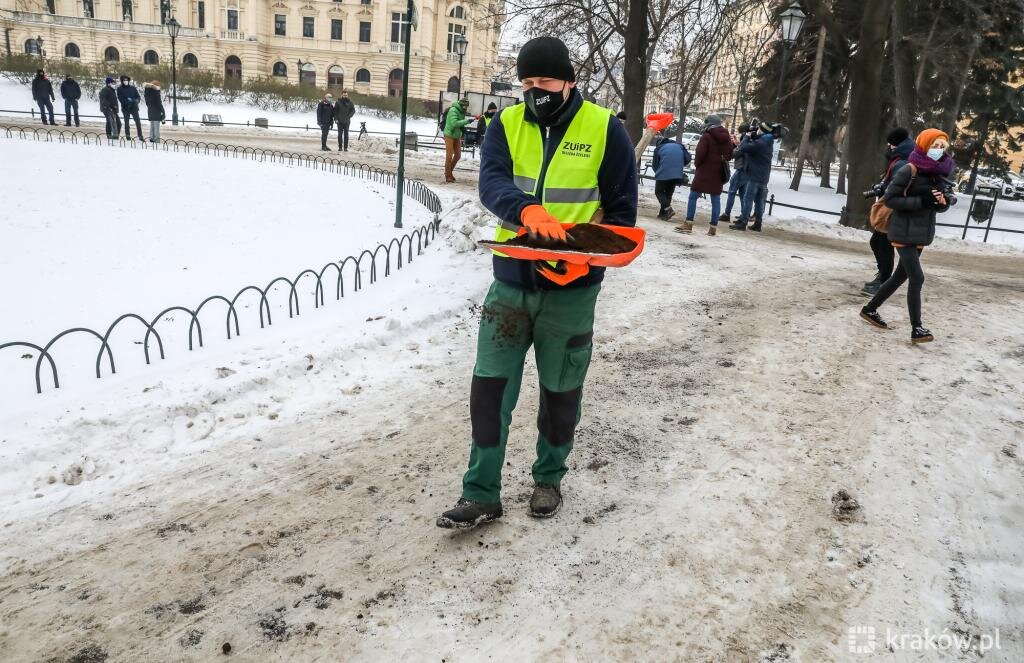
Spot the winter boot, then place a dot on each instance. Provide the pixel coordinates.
(685, 227)
(920, 335)
(325, 149)
(739, 225)
(712, 230)
(467, 514)
(875, 281)
(873, 318)
(871, 289)
(724, 218)
(546, 500)
(756, 226)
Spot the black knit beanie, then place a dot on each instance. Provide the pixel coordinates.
(547, 57)
(897, 136)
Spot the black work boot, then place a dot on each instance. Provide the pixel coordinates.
(467, 514)
(724, 218)
(877, 281)
(873, 318)
(740, 224)
(756, 226)
(920, 335)
(546, 500)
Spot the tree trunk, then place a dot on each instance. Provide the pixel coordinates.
(827, 157)
(841, 177)
(905, 97)
(634, 68)
(922, 65)
(812, 98)
(952, 112)
(866, 109)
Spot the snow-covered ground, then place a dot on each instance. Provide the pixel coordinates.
(17, 97)
(277, 492)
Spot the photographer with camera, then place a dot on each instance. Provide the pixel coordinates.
(917, 191)
(899, 146)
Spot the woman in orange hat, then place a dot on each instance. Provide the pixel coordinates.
(915, 194)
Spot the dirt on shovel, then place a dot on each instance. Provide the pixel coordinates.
(584, 238)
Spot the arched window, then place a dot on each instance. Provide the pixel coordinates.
(189, 60)
(71, 51)
(363, 76)
(280, 69)
(233, 67)
(111, 55)
(335, 77)
(32, 47)
(150, 57)
(453, 84)
(457, 12)
(395, 82)
(307, 74)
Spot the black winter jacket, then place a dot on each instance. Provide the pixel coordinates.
(913, 207)
(42, 89)
(69, 89)
(344, 109)
(154, 105)
(108, 100)
(128, 95)
(325, 114)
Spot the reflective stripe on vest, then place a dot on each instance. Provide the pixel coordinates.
(570, 193)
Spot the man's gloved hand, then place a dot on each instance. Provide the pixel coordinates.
(539, 223)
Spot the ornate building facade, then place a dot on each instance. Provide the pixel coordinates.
(352, 44)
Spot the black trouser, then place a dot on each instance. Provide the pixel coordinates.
(325, 130)
(343, 136)
(69, 106)
(128, 114)
(908, 268)
(113, 123)
(44, 106)
(663, 191)
(885, 256)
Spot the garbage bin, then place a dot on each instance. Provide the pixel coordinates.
(412, 141)
(262, 123)
(981, 209)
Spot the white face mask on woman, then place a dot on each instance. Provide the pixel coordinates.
(936, 153)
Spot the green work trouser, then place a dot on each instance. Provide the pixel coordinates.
(560, 326)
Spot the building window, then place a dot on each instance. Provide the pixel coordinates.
(111, 55)
(307, 26)
(165, 11)
(395, 79)
(397, 22)
(280, 69)
(232, 19)
(233, 67)
(32, 47)
(51, 6)
(366, 2)
(363, 76)
(364, 31)
(71, 51)
(280, 24)
(126, 10)
(189, 60)
(457, 12)
(87, 8)
(150, 57)
(453, 84)
(454, 29)
(335, 77)
(201, 14)
(336, 29)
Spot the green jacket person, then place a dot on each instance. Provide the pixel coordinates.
(552, 158)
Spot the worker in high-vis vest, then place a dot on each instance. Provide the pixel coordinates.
(553, 159)
(485, 119)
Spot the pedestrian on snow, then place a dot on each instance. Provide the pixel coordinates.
(485, 119)
(738, 179)
(42, 93)
(454, 121)
(344, 109)
(757, 165)
(110, 108)
(711, 163)
(129, 97)
(325, 118)
(154, 109)
(670, 158)
(70, 92)
(915, 195)
(527, 185)
(899, 146)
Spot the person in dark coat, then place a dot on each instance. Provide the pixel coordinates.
(42, 93)
(154, 109)
(915, 195)
(344, 109)
(757, 168)
(900, 145)
(670, 157)
(485, 119)
(714, 150)
(129, 97)
(325, 118)
(737, 181)
(110, 108)
(71, 93)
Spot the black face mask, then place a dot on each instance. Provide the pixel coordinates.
(544, 104)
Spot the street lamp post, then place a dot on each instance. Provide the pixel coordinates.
(173, 28)
(39, 47)
(298, 71)
(460, 48)
(792, 22)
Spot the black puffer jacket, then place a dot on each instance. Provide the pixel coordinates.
(154, 104)
(325, 114)
(913, 207)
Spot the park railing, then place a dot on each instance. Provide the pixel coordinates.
(384, 257)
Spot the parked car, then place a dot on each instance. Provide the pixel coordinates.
(690, 141)
(986, 179)
(1015, 186)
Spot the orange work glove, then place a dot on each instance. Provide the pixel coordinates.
(539, 223)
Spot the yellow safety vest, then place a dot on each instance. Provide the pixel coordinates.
(570, 192)
(487, 120)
